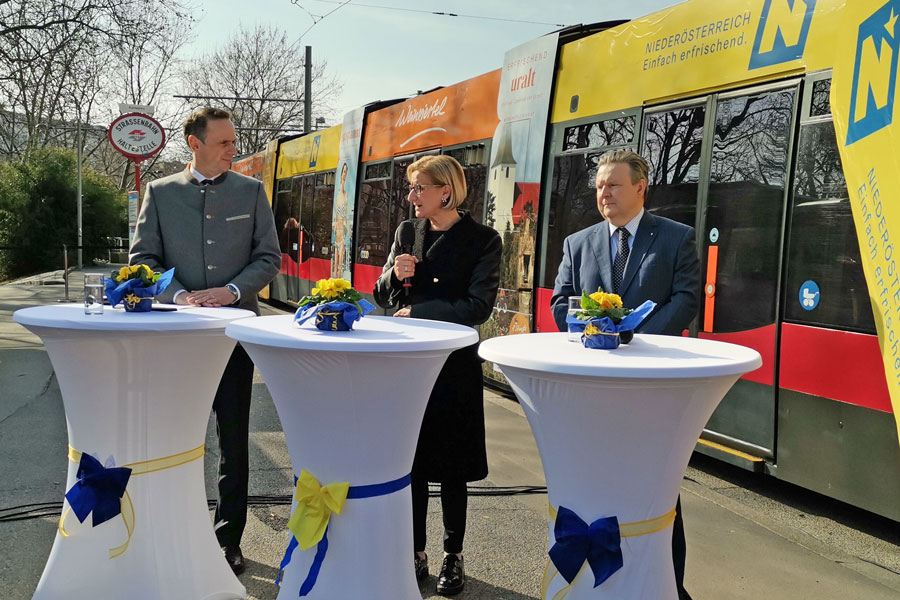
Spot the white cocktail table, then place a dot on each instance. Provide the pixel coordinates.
(351, 406)
(137, 390)
(615, 430)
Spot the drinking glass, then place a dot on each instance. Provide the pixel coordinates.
(575, 331)
(93, 294)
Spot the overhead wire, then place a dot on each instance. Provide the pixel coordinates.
(427, 12)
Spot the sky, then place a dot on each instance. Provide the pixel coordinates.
(381, 54)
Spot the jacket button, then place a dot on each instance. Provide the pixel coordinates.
(436, 280)
(209, 216)
(210, 242)
(210, 267)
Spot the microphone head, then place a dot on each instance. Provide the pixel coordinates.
(406, 236)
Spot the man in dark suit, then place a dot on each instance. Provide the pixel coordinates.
(216, 228)
(640, 257)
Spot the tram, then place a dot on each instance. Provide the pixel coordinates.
(729, 102)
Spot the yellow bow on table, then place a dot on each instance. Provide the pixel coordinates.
(315, 503)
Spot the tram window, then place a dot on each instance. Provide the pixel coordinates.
(324, 203)
(476, 184)
(307, 202)
(573, 205)
(373, 222)
(823, 243)
(611, 132)
(672, 144)
(745, 205)
(282, 211)
(400, 205)
(820, 103)
(473, 160)
(378, 170)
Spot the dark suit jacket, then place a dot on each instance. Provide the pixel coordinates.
(662, 266)
(213, 235)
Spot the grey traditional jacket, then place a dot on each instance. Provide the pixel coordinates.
(212, 234)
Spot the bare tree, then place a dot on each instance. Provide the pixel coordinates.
(260, 63)
(55, 59)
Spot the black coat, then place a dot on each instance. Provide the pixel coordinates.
(455, 281)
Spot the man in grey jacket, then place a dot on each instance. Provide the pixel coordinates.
(216, 228)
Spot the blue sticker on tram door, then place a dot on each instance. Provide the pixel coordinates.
(809, 295)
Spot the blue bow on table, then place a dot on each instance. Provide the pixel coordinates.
(98, 490)
(576, 542)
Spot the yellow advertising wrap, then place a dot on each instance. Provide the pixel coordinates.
(866, 125)
(311, 153)
(692, 48)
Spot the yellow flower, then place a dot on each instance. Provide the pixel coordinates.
(611, 301)
(326, 288)
(147, 270)
(124, 272)
(341, 285)
(605, 300)
(315, 291)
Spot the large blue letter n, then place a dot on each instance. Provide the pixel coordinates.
(874, 73)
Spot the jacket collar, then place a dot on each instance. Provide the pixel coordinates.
(187, 177)
(646, 236)
(457, 235)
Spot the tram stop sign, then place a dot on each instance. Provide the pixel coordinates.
(137, 136)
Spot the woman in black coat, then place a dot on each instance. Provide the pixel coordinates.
(453, 265)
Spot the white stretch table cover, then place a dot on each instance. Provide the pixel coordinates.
(139, 387)
(351, 406)
(615, 430)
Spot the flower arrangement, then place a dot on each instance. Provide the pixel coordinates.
(135, 287)
(604, 322)
(334, 304)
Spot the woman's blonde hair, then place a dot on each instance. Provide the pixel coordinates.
(443, 170)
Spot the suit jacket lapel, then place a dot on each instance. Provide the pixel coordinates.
(646, 235)
(600, 246)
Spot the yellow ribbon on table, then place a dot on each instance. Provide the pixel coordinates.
(315, 505)
(633, 529)
(137, 468)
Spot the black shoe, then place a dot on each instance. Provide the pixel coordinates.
(421, 566)
(452, 579)
(235, 559)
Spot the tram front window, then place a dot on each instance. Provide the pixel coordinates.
(573, 205)
(745, 206)
(672, 145)
(823, 245)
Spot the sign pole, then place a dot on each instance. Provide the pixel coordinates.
(137, 182)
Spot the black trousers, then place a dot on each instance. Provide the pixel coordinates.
(232, 411)
(679, 551)
(454, 498)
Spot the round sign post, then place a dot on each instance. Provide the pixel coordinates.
(138, 137)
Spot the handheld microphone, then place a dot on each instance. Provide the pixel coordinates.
(406, 236)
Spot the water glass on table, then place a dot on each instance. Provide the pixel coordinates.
(575, 309)
(93, 294)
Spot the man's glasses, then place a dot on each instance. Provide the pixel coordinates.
(419, 188)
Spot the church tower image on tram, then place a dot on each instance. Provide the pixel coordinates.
(502, 182)
(512, 220)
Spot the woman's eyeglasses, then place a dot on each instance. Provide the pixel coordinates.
(419, 188)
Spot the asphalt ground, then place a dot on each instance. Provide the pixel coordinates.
(748, 536)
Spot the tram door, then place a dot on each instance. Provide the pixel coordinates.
(741, 241)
